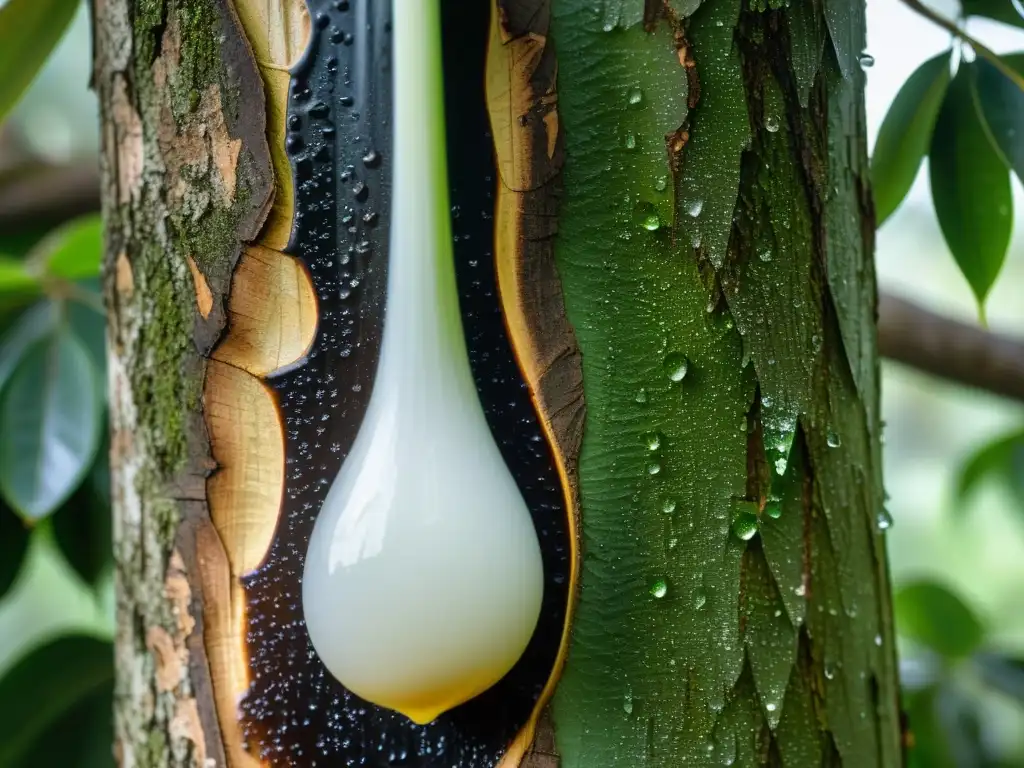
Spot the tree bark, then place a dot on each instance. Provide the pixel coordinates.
(186, 181)
(692, 195)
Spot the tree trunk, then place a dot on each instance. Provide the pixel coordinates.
(682, 220)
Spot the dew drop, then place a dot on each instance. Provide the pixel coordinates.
(652, 440)
(635, 97)
(371, 159)
(646, 216)
(669, 506)
(627, 702)
(780, 465)
(884, 520)
(676, 365)
(630, 140)
(764, 254)
(773, 508)
(771, 124)
(653, 468)
(700, 598)
(867, 60)
(766, 401)
(878, 640)
(661, 184)
(695, 207)
(659, 588)
(744, 525)
(771, 707)
(641, 396)
(832, 439)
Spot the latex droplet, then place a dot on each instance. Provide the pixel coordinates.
(423, 579)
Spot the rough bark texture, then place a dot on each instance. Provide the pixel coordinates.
(186, 180)
(715, 245)
(714, 239)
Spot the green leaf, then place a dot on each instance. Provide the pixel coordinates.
(51, 425)
(999, 10)
(89, 325)
(14, 277)
(906, 133)
(14, 540)
(82, 527)
(1003, 459)
(32, 325)
(86, 736)
(1002, 106)
(29, 30)
(970, 187)
(73, 251)
(931, 615)
(44, 686)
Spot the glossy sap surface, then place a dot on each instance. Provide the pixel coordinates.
(423, 578)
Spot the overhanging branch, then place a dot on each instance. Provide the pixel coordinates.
(35, 193)
(950, 349)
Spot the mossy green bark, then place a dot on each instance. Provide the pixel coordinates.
(734, 605)
(185, 177)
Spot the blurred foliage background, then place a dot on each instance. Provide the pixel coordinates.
(954, 457)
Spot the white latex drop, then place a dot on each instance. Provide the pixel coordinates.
(423, 578)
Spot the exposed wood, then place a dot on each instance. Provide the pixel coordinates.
(522, 103)
(224, 616)
(246, 438)
(273, 313)
(278, 31)
(271, 322)
(204, 299)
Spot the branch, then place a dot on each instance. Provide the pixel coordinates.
(949, 349)
(979, 48)
(38, 193)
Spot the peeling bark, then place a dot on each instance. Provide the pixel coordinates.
(186, 181)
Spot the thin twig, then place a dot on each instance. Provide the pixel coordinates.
(979, 48)
(950, 349)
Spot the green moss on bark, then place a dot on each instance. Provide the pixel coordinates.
(166, 380)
